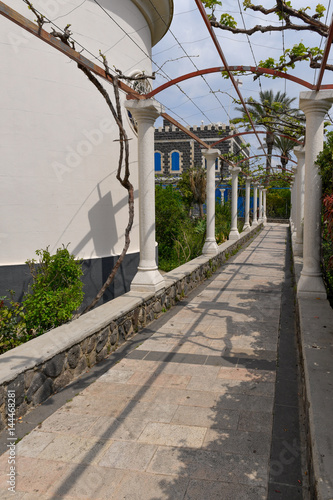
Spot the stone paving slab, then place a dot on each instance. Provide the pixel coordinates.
(186, 415)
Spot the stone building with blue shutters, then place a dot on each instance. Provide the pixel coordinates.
(175, 151)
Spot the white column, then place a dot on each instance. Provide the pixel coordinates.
(222, 191)
(247, 204)
(210, 247)
(264, 205)
(260, 204)
(234, 234)
(255, 203)
(311, 282)
(145, 112)
(300, 155)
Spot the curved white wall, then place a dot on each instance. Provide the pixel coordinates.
(58, 158)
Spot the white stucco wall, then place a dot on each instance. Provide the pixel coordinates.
(58, 158)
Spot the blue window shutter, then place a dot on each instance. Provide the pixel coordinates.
(175, 161)
(158, 162)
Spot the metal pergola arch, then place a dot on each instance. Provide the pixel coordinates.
(32, 28)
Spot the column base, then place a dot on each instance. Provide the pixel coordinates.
(298, 249)
(311, 287)
(254, 223)
(147, 280)
(246, 227)
(234, 234)
(210, 248)
(265, 220)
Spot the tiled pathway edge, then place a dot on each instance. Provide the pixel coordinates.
(315, 324)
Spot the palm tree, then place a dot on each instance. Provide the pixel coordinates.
(198, 182)
(284, 146)
(273, 112)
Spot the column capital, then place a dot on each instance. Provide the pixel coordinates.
(147, 110)
(255, 184)
(316, 102)
(235, 170)
(264, 190)
(299, 152)
(261, 187)
(248, 180)
(211, 152)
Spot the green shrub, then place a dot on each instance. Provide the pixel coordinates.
(222, 221)
(278, 203)
(170, 216)
(325, 164)
(181, 238)
(186, 246)
(56, 291)
(12, 324)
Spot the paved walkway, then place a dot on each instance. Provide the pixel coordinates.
(186, 415)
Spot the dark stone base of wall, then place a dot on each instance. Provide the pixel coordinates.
(96, 271)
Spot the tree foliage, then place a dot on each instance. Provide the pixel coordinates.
(278, 203)
(12, 324)
(304, 19)
(179, 237)
(56, 291)
(273, 112)
(325, 165)
(192, 185)
(284, 146)
(170, 214)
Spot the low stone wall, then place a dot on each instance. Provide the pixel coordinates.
(315, 332)
(46, 364)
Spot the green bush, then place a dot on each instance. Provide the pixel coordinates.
(170, 216)
(181, 238)
(12, 324)
(56, 291)
(325, 164)
(222, 221)
(278, 203)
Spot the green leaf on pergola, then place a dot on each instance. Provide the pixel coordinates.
(301, 19)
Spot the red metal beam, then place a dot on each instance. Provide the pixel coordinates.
(257, 156)
(325, 56)
(258, 132)
(219, 69)
(32, 28)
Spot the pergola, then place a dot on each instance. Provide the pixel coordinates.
(306, 186)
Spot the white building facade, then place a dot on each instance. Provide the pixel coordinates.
(58, 150)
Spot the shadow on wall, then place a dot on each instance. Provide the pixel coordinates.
(103, 229)
(103, 233)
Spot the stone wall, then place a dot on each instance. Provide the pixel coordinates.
(46, 364)
(170, 138)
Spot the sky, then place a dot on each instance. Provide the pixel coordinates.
(211, 100)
